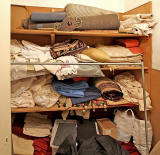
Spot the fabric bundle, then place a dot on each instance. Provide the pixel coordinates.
(141, 24)
(37, 125)
(25, 51)
(21, 96)
(71, 89)
(43, 92)
(109, 89)
(99, 22)
(132, 90)
(75, 17)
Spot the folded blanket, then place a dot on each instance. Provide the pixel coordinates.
(72, 89)
(90, 94)
(109, 89)
(48, 16)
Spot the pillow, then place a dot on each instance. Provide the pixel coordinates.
(96, 54)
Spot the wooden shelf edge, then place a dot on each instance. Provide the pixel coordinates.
(98, 33)
(125, 68)
(42, 109)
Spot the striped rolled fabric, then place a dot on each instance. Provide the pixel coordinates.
(77, 10)
(109, 89)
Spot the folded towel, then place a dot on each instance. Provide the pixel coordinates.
(109, 89)
(48, 16)
(72, 89)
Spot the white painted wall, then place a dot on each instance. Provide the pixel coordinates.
(156, 36)
(5, 113)
(114, 5)
(131, 4)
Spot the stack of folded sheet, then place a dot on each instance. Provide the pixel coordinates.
(37, 125)
(29, 144)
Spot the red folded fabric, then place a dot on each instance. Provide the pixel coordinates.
(42, 146)
(136, 50)
(128, 42)
(80, 78)
(130, 148)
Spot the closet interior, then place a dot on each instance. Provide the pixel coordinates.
(69, 115)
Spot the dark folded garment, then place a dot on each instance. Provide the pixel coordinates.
(68, 147)
(91, 93)
(101, 145)
(86, 130)
(109, 89)
(64, 130)
(43, 17)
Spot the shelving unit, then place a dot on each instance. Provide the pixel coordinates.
(94, 36)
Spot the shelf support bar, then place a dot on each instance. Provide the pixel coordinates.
(145, 110)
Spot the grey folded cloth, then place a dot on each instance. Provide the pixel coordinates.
(100, 22)
(77, 10)
(28, 24)
(41, 17)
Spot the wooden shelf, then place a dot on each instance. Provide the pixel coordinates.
(55, 108)
(98, 33)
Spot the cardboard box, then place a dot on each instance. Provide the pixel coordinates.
(106, 127)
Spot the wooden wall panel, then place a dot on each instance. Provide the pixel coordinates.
(155, 113)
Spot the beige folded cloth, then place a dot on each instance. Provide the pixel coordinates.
(22, 146)
(37, 125)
